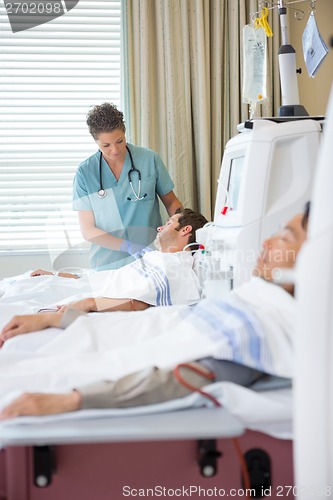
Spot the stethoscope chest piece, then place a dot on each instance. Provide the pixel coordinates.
(101, 193)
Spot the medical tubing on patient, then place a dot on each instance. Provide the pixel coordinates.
(211, 377)
(208, 375)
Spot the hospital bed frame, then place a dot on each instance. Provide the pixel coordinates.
(95, 459)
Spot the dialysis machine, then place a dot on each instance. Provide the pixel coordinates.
(265, 179)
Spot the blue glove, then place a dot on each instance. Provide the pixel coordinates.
(131, 248)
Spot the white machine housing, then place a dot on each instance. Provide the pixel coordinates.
(268, 172)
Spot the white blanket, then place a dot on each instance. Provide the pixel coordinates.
(158, 279)
(275, 309)
(253, 326)
(103, 346)
(111, 345)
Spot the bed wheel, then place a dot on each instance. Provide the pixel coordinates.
(44, 465)
(259, 468)
(207, 457)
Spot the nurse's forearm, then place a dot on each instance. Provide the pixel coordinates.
(94, 234)
(101, 238)
(171, 202)
(173, 207)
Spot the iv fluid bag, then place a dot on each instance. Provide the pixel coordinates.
(254, 66)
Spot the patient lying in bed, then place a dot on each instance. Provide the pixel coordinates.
(164, 277)
(238, 339)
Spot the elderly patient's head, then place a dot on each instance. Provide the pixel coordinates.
(281, 250)
(179, 230)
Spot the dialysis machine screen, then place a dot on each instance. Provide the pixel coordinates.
(235, 174)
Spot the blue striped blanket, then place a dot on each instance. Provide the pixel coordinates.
(254, 326)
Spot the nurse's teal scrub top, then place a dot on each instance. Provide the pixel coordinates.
(135, 221)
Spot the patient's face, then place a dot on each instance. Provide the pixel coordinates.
(167, 235)
(281, 250)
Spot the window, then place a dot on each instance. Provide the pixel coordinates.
(50, 76)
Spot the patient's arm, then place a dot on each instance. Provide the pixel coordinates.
(144, 387)
(105, 304)
(42, 272)
(33, 322)
(29, 323)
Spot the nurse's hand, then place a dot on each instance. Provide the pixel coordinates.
(42, 404)
(28, 323)
(131, 248)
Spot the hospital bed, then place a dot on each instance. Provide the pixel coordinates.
(104, 454)
(96, 457)
(180, 447)
(86, 456)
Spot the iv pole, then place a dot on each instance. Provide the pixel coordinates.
(288, 72)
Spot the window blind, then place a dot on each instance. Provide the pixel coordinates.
(50, 76)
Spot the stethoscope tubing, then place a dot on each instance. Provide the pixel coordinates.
(101, 193)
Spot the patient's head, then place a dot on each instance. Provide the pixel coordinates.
(179, 230)
(281, 250)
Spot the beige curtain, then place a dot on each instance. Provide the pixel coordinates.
(182, 86)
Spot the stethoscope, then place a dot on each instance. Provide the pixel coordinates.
(101, 193)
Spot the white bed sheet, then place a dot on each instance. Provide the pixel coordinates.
(264, 411)
(91, 350)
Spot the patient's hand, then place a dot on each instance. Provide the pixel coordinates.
(28, 323)
(41, 272)
(42, 404)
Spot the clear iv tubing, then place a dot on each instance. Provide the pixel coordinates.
(201, 247)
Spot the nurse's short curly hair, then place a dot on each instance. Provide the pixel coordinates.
(105, 118)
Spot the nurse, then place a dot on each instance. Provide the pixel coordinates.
(116, 192)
